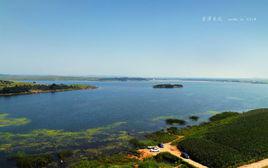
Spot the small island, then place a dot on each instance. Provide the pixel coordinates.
(10, 88)
(167, 86)
(194, 118)
(171, 121)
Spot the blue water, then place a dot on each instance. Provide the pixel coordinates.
(136, 103)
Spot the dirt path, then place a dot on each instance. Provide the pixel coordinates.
(145, 153)
(259, 164)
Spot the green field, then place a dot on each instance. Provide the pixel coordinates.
(229, 140)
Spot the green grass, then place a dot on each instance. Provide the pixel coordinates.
(230, 139)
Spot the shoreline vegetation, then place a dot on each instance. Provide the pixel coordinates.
(11, 88)
(227, 139)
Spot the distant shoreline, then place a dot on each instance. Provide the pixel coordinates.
(125, 79)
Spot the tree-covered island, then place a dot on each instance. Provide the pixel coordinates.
(167, 86)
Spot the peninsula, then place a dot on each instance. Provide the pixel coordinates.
(9, 88)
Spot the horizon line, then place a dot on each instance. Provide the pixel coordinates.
(128, 76)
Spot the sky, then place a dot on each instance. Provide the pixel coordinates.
(141, 38)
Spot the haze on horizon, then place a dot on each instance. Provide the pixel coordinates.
(153, 38)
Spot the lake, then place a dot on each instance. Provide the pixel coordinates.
(135, 104)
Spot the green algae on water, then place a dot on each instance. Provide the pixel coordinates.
(48, 139)
(6, 121)
(159, 118)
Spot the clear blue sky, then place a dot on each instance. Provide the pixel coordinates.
(158, 38)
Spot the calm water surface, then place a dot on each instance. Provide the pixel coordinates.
(136, 103)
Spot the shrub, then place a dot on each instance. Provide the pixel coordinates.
(173, 130)
(65, 154)
(33, 161)
(166, 157)
(136, 143)
(161, 137)
(150, 163)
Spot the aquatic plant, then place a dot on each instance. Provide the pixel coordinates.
(122, 136)
(162, 118)
(46, 139)
(6, 121)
